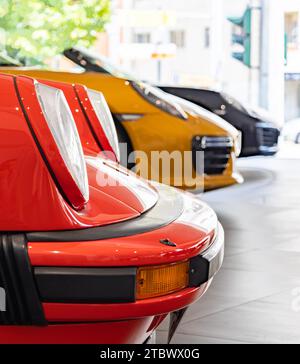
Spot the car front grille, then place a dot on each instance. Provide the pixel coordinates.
(217, 151)
(267, 136)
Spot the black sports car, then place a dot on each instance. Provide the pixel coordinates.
(260, 135)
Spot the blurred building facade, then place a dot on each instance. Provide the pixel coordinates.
(190, 43)
(292, 69)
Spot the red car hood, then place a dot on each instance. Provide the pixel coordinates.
(30, 196)
(121, 184)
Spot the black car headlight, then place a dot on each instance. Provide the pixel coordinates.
(159, 99)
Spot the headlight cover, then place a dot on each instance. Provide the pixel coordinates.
(63, 129)
(159, 99)
(105, 119)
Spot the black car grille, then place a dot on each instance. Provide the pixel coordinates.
(267, 137)
(217, 151)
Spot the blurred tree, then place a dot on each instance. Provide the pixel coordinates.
(37, 29)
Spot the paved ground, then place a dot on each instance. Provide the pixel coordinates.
(256, 296)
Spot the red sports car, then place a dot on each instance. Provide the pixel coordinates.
(89, 253)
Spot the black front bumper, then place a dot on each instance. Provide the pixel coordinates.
(267, 137)
(260, 140)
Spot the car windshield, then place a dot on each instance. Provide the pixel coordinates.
(6, 60)
(93, 62)
(235, 103)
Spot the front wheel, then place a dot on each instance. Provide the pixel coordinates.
(297, 141)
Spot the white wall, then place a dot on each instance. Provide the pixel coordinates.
(272, 67)
(193, 62)
(214, 67)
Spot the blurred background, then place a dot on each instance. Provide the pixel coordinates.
(249, 49)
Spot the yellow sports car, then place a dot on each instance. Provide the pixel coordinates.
(163, 134)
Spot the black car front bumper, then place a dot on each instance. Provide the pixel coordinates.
(260, 139)
(267, 137)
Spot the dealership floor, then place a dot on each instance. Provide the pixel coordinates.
(255, 298)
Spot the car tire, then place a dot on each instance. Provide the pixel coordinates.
(125, 140)
(297, 141)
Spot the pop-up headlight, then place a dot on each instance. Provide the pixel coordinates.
(70, 171)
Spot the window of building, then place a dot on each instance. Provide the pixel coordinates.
(291, 29)
(178, 37)
(207, 37)
(142, 38)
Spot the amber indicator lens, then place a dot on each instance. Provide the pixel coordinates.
(161, 280)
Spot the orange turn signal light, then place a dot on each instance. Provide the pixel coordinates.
(161, 280)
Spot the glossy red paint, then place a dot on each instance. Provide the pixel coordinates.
(57, 312)
(137, 250)
(82, 110)
(89, 144)
(93, 138)
(37, 122)
(140, 250)
(21, 159)
(93, 120)
(122, 332)
(103, 153)
(35, 204)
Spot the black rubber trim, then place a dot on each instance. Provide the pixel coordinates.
(199, 271)
(205, 266)
(86, 285)
(168, 208)
(22, 303)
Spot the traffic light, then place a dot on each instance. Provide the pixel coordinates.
(241, 37)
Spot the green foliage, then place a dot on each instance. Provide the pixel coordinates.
(38, 29)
